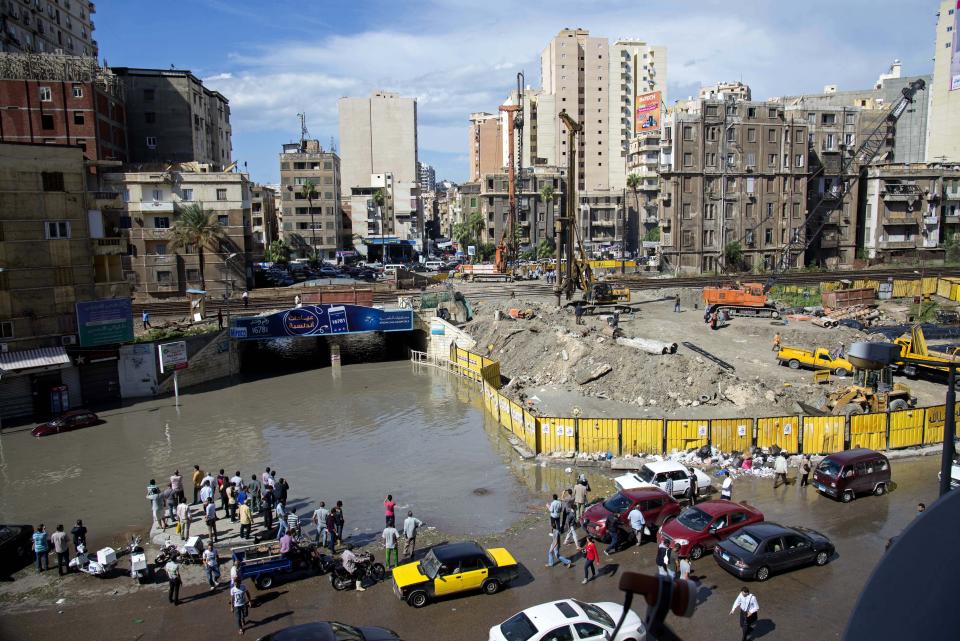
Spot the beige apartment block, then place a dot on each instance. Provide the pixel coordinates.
(263, 218)
(377, 135)
(733, 171)
(48, 26)
(943, 130)
(485, 141)
(322, 226)
(148, 207)
(536, 217)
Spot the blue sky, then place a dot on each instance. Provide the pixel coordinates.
(275, 58)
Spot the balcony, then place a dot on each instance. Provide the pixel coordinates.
(829, 242)
(109, 246)
(651, 220)
(931, 220)
(899, 217)
(156, 207)
(951, 220)
(603, 223)
(107, 199)
(154, 233)
(901, 193)
(898, 244)
(162, 261)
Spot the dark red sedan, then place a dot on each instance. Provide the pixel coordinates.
(700, 527)
(67, 422)
(657, 506)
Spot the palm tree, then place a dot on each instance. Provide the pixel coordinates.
(196, 227)
(548, 196)
(633, 182)
(477, 224)
(379, 198)
(309, 190)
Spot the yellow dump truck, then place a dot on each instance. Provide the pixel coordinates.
(915, 347)
(820, 358)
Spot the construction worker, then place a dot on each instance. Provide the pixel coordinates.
(776, 342)
(578, 312)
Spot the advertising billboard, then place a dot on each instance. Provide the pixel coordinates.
(321, 320)
(955, 51)
(648, 112)
(105, 321)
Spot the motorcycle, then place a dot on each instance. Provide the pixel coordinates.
(168, 552)
(105, 562)
(139, 568)
(367, 569)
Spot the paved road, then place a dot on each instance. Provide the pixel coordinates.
(811, 604)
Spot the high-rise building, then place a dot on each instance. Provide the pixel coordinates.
(378, 135)
(62, 100)
(305, 224)
(172, 118)
(427, 177)
(48, 26)
(486, 144)
(636, 69)
(943, 130)
(537, 143)
(575, 69)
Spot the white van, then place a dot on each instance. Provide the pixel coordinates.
(433, 265)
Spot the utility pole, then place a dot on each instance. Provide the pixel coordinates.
(563, 227)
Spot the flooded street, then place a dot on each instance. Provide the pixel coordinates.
(379, 428)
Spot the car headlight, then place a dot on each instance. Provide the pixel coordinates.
(833, 484)
(681, 542)
(740, 564)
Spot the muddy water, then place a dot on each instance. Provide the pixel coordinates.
(379, 428)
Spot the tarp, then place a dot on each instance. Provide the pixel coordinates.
(29, 358)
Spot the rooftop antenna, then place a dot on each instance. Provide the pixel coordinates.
(333, 145)
(303, 130)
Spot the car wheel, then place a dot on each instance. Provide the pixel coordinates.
(847, 496)
(264, 581)
(417, 599)
(880, 490)
(491, 586)
(763, 573)
(842, 372)
(793, 363)
(822, 558)
(696, 552)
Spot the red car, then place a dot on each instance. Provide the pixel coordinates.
(657, 506)
(700, 527)
(67, 422)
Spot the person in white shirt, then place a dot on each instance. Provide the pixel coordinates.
(726, 490)
(239, 602)
(748, 606)
(349, 561)
(637, 523)
(780, 471)
(685, 568)
(390, 536)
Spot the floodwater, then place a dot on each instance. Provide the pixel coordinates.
(378, 428)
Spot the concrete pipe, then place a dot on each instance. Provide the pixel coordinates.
(648, 345)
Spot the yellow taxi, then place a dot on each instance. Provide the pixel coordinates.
(451, 568)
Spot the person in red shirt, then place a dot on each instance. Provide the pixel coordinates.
(591, 557)
(388, 506)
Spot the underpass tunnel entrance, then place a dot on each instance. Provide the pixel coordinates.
(312, 352)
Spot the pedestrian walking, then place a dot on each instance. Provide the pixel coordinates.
(332, 537)
(222, 491)
(570, 526)
(240, 603)
(319, 520)
(553, 552)
(246, 298)
(805, 467)
(41, 548)
(685, 568)
(591, 558)
(172, 569)
(692, 487)
(748, 606)
(79, 534)
(232, 501)
(411, 525)
(61, 545)
(197, 483)
(780, 470)
(206, 491)
(169, 498)
(777, 339)
(183, 519)
(268, 508)
(210, 514)
(246, 520)
(613, 528)
(339, 520)
(389, 505)
(176, 484)
(281, 514)
(211, 564)
(555, 509)
(156, 509)
(390, 536)
(637, 523)
(254, 489)
(726, 489)
(578, 312)
(579, 498)
(293, 521)
(145, 319)
(676, 304)
(668, 486)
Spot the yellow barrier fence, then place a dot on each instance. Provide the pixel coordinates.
(684, 435)
(869, 430)
(598, 435)
(530, 424)
(557, 434)
(731, 434)
(642, 436)
(906, 428)
(782, 431)
(823, 434)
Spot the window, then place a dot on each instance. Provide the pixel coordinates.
(151, 142)
(751, 159)
(731, 183)
(164, 277)
(799, 160)
(711, 160)
(712, 133)
(687, 240)
(769, 210)
(160, 249)
(686, 212)
(731, 160)
(728, 211)
(157, 195)
(161, 222)
(771, 135)
(848, 118)
(709, 211)
(848, 140)
(78, 118)
(187, 194)
(828, 119)
(77, 91)
(223, 219)
(221, 194)
(193, 275)
(52, 180)
(6, 329)
(798, 136)
(830, 143)
(687, 184)
(589, 631)
(149, 117)
(751, 112)
(57, 229)
(772, 160)
(751, 135)
(711, 110)
(45, 94)
(688, 133)
(768, 236)
(772, 112)
(731, 135)
(688, 160)
(46, 121)
(750, 184)
(148, 95)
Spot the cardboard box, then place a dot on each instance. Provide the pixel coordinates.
(138, 562)
(106, 556)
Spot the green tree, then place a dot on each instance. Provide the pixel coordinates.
(952, 248)
(652, 235)
(462, 234)
(486, 251)
(379, 198)
(733, 255)
(277, 251)
(309, 191)
(545, 248)
(198, 228)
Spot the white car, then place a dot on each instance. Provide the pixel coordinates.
(569, 620)
(656, 475)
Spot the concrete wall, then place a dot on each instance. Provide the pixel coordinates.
(217, 359)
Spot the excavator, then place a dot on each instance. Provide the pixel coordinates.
(750, 299)
(872, 391)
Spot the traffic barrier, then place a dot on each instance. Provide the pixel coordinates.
(598, 435)
(869, 430)
(823, 434)
(782, 431)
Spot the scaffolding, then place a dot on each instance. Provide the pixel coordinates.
(59, 68)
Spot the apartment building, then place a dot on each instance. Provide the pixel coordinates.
(735, 90)
(733, 171)
(394, 224)
(535, 218)
(318, 229)
(263, 218)
(910, 210)
(46, 268)
(485, 142)
(48, 26)
(172, 118)
(378, 135)
(604, 226)
(943, 133)
(636, 68)
(148, 206)
(426, 178)
(55, 99)
(641, 204)
(537, 138)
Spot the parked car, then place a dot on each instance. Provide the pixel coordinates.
(698, 528)
(757, 551)
(554, 620)
(67, 422)
(330, 631)
(656, 475)
(16, 547)
(452, 568)
(859, 471)
(657, 506)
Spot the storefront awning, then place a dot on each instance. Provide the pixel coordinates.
(30, 358)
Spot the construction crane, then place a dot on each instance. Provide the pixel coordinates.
(507, 247)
